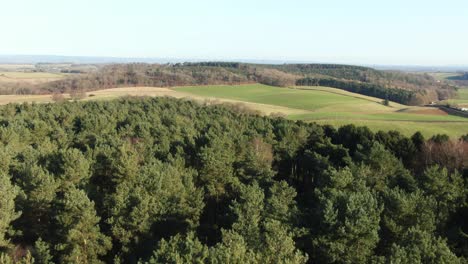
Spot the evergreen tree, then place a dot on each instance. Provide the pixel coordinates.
(421, 247)
(404, 211)
(39, 187)
(42, 253)
(179, 250)
(448, 189)
(233, 249)
(75, 168)
(166, 180)
(8, 194)
(249, 211)
(78, 235)
(349, 216)
(163, 202)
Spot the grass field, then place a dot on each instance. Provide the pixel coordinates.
(443, 75)
(336, 107)
(16, 67)
(318, 104)
(462, 100)
(29, 77)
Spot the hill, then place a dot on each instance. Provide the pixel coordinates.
(405, 88)
(323, 105)
(337, 107)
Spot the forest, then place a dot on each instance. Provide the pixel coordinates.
(461, 79)
(395, 94)
(163, 180)
(405, 88)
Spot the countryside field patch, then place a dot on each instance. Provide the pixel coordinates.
(29, 77)
(461, 100)
(336, 107)
(314, 104)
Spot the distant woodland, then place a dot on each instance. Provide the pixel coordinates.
(405, 88)
(160, 180)
(461, 79)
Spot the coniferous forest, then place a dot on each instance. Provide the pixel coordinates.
(160, 180)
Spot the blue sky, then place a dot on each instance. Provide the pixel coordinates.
(360, 31)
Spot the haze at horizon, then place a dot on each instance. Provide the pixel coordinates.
(358, 32)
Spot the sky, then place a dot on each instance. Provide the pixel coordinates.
(396, 32)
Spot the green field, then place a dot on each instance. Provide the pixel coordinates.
(333, 106)
(323, 105)
(443, 75)
(461, 100)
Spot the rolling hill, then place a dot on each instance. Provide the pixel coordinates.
(336, 107)
(323, 105)
(405, 88)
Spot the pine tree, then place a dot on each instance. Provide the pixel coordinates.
(448, 189)
(162, 202)
(179, 250)
(40, 189)
(349, 216)
(233, 249)
(421, 247)
(8, 214)
(249, 212)
(75, 168)
(41, 253)
(79, 239)
(404, 211)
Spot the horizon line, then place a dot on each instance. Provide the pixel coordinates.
(99, 59)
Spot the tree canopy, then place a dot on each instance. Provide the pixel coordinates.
(161, 180)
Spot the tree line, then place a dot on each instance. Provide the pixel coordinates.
(396, 95)
(420, 88)
(161, 180)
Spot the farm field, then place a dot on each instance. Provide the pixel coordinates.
(16, 67)
(28, 77)
(113, 93)
(336, 107)
(462, 99)
(443, 75)
(313, 104)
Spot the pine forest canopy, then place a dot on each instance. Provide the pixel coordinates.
(161, 180)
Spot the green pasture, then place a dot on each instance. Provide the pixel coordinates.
(336, 107)
(461, 100)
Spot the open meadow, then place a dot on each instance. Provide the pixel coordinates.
(461, 100)
(323, 105)
(28, 77)
(336, 107)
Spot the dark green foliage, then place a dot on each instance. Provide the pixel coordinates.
(448, 189)
(41, 253)
(418, 140)
(180, 250)
(464, 138)
(349, 216)
(439, 138)
(77, 235)
(421, 247)
(8, 214)
(386, 102)
(161, 180)
(394, 94)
